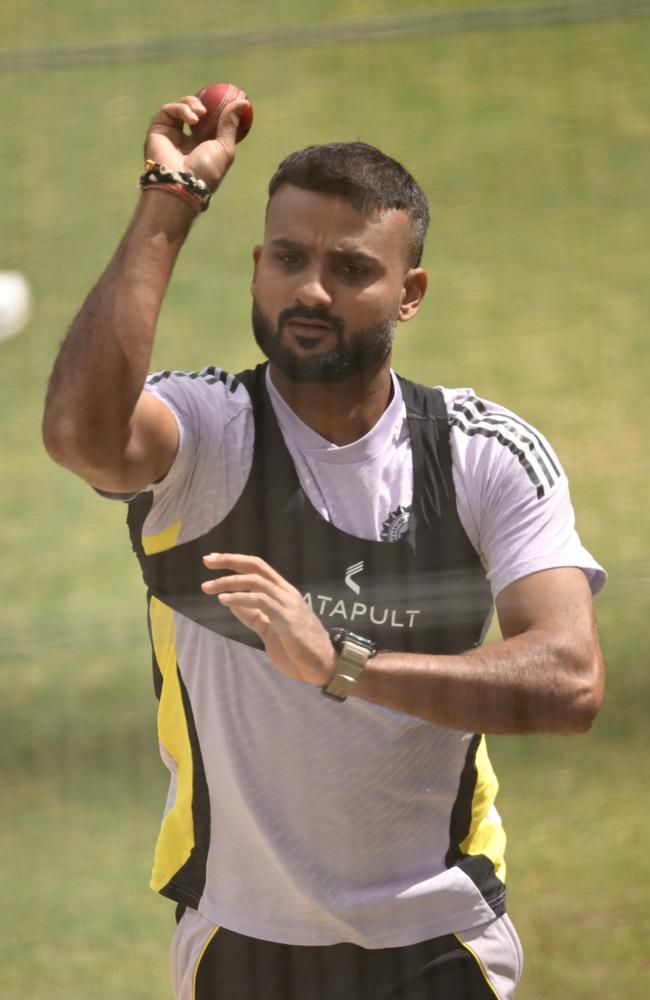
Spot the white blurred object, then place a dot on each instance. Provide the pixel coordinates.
(15, 303)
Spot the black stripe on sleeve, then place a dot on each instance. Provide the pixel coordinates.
(533, 437)
(211, 375)
(531, 452)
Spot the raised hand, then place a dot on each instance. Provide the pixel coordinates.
(167, 142)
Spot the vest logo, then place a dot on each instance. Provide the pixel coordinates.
(326, 606)
(350, 572)
(396, 524)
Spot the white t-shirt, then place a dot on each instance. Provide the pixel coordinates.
(514, 531)
(331, 822)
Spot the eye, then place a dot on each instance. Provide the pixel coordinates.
(354, 272)
(287, 258)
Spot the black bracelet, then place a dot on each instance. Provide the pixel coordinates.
(157, 173)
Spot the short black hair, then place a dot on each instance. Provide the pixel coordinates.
(369, 179)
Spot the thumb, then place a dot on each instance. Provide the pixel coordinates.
(229, 120)
(212, 158)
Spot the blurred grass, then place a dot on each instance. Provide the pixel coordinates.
(101, 21)
(533, 148)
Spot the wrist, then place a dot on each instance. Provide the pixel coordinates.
(182, 184)
(177, 192)
(164, 219)
(352, 652)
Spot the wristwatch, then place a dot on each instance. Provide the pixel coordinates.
(354, 652)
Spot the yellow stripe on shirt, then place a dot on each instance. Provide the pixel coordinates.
(486, 834)
(163, 540)
(176, 838)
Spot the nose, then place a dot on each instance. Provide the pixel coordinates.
(311, 290)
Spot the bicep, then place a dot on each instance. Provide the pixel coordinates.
(555, 600)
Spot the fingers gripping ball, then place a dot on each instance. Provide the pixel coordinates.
(215, 98)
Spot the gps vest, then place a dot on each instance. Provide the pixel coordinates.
(424, 592)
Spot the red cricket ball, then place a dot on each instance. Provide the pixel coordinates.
(215, 98)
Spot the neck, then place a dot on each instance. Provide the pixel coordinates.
(341, 412)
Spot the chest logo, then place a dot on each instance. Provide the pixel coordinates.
(351, 572)
(396, 524)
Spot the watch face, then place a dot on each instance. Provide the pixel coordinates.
(341, 635)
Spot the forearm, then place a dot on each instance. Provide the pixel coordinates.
(103, 361)
(529, 683)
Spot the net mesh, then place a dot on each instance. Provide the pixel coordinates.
(527, 125)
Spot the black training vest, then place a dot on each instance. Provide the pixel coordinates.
(425, 592)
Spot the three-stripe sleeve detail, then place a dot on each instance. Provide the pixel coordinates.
(211, 375)
(472, 417)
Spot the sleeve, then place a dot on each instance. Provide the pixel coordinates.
(512, 494)
(216, 431)
(200, 413)
(199, 418)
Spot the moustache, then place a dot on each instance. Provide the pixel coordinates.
(315, 314)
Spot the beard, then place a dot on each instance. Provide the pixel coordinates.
(371, 346)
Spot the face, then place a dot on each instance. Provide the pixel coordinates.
(330, 285)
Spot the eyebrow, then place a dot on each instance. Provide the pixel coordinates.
(288, 244)
(358, 255)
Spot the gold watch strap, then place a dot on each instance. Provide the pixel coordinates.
(352, 660)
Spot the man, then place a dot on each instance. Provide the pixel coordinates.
(314, 536)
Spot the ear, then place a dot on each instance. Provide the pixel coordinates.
(413, 291)
(257, 253)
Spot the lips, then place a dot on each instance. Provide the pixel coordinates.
(308, 334)
(309, 327)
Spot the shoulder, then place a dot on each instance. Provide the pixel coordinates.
(202, 401)
(212, 384)
(213, 411)
(489, 440)
(512, 493)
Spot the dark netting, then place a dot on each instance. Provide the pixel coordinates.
(528, 127)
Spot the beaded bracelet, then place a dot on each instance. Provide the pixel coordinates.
(157, 173)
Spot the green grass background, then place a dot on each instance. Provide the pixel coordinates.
(533, 146)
